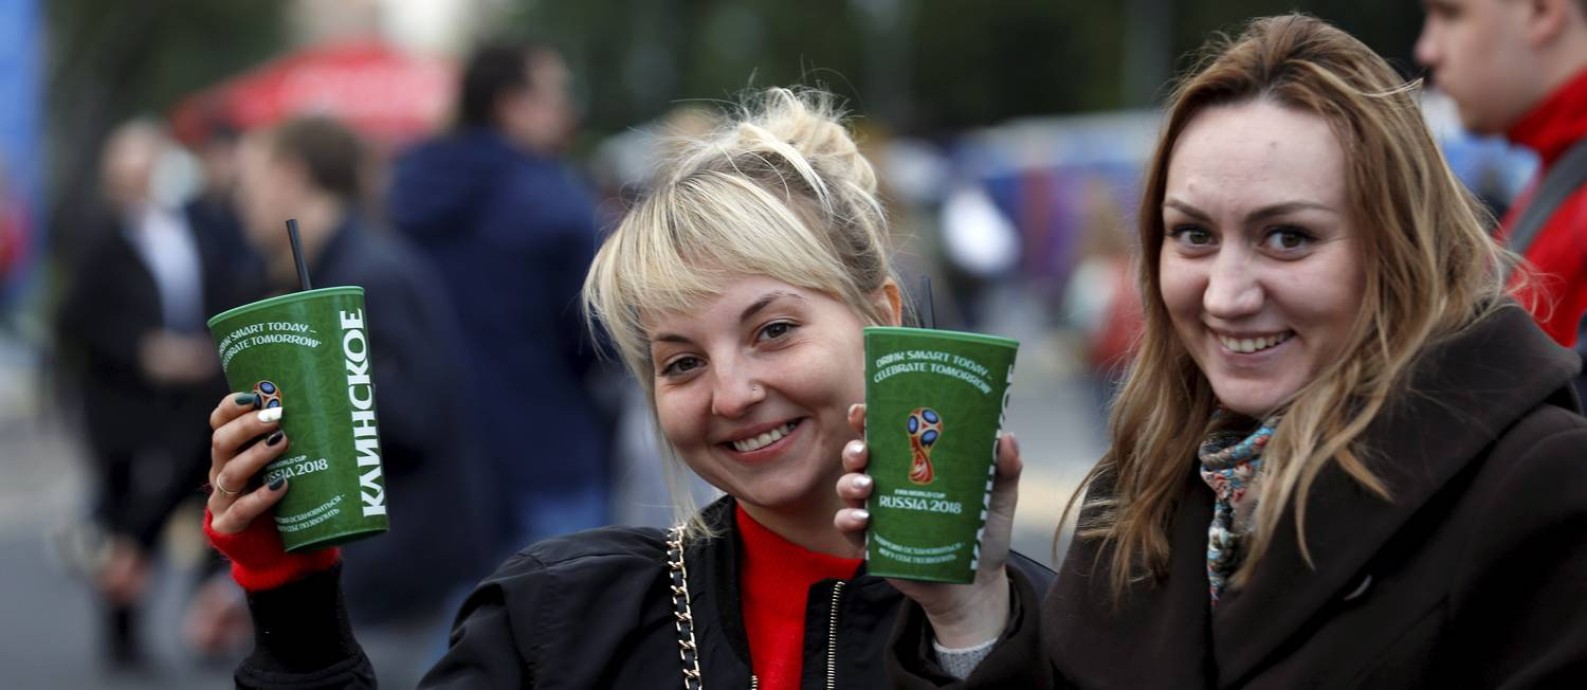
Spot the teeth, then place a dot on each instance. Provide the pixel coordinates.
(763, 440)
(1249, 345)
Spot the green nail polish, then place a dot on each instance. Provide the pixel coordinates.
(245, 399)
(277, 483)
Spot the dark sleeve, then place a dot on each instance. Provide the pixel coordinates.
(486, 650)
(577, 243)
(411, 336)
(1520, 615)
(1017, 661)
(93, 318)
(303, 640)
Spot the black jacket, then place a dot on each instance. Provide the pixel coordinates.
(593, 610)
(109, 304)
(1473, 576)
(436, 482)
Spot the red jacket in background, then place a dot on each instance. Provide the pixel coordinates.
(1558, 254)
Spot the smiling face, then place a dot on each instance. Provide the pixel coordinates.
(1261, 269)
(753, 388)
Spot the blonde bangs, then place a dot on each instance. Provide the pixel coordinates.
(678, 248)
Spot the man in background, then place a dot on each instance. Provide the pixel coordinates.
(399, 585)
(1518, 69)
(132, 334)
(512, 233)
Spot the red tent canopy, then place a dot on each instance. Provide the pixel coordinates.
(384, 94)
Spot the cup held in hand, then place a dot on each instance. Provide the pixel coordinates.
(313, 345)
(934, 405)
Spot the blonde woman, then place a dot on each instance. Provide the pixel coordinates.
(736, 293)
(1343, 457)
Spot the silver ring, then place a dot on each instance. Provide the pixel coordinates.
(223, 489)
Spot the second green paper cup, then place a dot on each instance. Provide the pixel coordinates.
(934, 406)
(308, 353)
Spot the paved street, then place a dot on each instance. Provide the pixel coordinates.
(48, 630)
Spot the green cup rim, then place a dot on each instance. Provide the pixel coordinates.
(962, 336)
(279, 300)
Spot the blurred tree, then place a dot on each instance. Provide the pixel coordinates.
(1390, 28)
(920, 65)
(110, 61)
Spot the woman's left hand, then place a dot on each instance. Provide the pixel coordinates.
(961, 615)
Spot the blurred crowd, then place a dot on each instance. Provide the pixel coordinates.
(471, 248)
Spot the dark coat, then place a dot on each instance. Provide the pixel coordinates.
(512, 236)
(110, 303)
(1474, 575)
(440, 538)
(593, 610)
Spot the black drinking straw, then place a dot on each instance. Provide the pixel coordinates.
(297, 254)
(923, 304)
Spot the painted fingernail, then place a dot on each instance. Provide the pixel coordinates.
(246, 399)
(853, 448)
(1013, 441)
(270, 414)
(853, 408)
(275, 438)
(862, 514)
(862, 482)
(277, 483)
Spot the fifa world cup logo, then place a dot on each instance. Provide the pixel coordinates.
(925, 427)
(269, 394)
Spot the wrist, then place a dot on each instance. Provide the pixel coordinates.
(258, 559)
(977, 614)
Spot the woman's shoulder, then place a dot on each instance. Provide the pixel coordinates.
(623, 548)
(1543, 454)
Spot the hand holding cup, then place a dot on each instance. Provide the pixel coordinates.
(245, 439)
(961, 615)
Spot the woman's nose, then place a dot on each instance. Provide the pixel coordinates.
(1233, 288)
(736, 390)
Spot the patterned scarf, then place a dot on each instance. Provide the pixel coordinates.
(1231, 461)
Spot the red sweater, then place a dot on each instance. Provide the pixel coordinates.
(1559, 252)
(776, 579)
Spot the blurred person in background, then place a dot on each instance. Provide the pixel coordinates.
(214, 207)
(1518, 69)
(15, 230)
(398, 585)
(980, 248)
(132, 334)
(512, 233)
(1102, 299)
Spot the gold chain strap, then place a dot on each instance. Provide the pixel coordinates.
(682, 611)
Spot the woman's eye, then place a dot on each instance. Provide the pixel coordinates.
(775, 330)
(1191, 235)
(1288, 239)
(681, 365)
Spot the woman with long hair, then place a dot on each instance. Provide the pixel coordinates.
(1342, 458)
(736, 292)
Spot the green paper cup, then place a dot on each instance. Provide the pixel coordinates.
(308, 353)
(934, 406)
